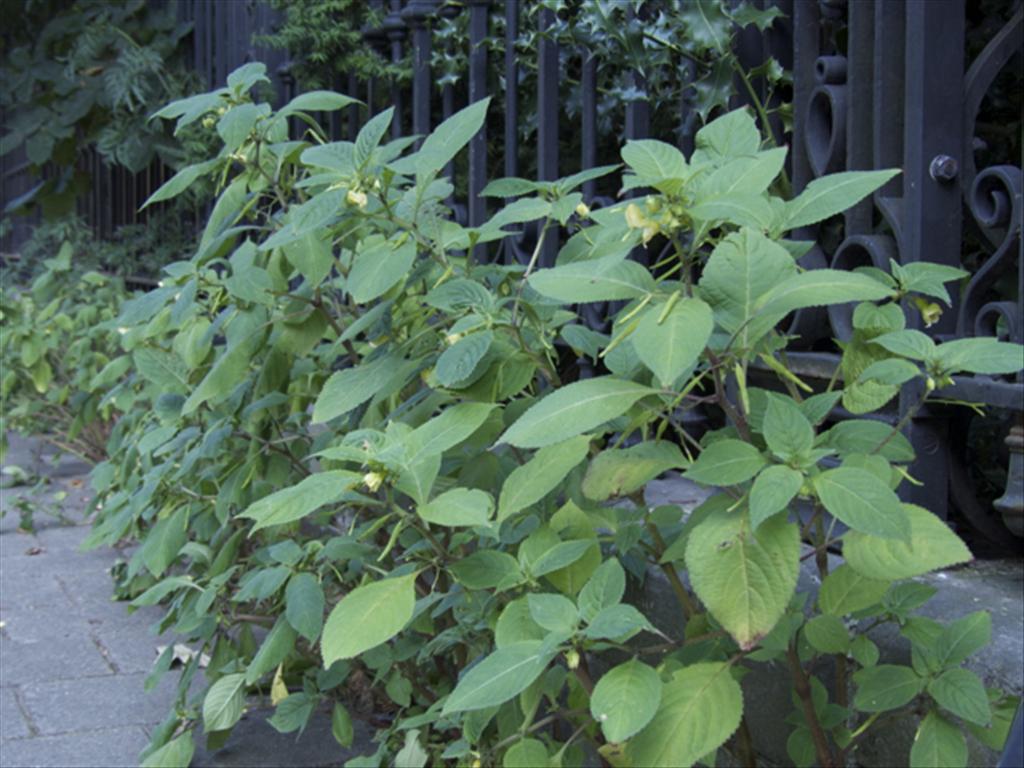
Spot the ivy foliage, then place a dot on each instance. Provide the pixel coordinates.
(88, 75)
(361, 480)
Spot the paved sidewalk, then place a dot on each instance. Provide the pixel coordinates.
(73, 662)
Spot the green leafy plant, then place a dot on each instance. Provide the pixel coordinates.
(58, 342)
(361, 478)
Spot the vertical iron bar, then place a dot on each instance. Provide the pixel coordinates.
(890, 37)
(859, 119)
(547, 119)
(805, 52)
(415, 16)
(933, 125)
(396, 35)
(511, 89)
(478, 10)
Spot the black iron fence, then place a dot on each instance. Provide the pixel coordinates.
(876, 84)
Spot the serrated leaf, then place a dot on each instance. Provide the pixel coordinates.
(605, 588)
(445, 141)
(559, 556)
(304, 605)
(855, 497)
(531, 482)
(884, 687)
(457, 364)
(772, 491)
(745, 579)
(625, 700)
(981, 355)
(827, 634)
(610, 278)
(833, 194)
(499, 677)
(177, 753)
(932, 545)
(818, 288)
(938, 744)
(304, 498)
(786, 430)
(622, 471)
(341, 725)
(963, 637)
(726, 462)
(317, 101)
(278, 643)
(224, 702)
(701, 707)
(670, 347)
(487, 569)
(961, 692)
(458, 507)
(865, 436)
(573, 409)
(377, 268)
(846, 591)
(351, 387)
(368, 616)
(615, 622)
(526, 753)
(555, 613)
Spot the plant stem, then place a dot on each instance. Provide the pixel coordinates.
(529, 268)
(685, 601)
(803, 690)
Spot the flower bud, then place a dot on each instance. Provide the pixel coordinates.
(583, 210)
(572, 658)
(373, 480)
(355, 198)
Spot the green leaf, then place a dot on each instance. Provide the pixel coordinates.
(237, 123)
(572, 410)
(741, 269)
(294, 503)
(317, 101)
(278, 643)
(487, 569)
(827, 634)
(938, 744)
(609, 278)
(963, 637)
(527, 753)
(449, 428)
(449, 137)
(377, 268)
(226, 373)
(341, 725)
(563, 554)
(832, 194)
(846, 591)
(701, 707)
(605, 588)
(786, 430)
(615, 622)
(499, 677)
(772, 491)
(668, 348)
(176, 753)
(554, 613)
(370, 136)
(368, 616)
(625, 700)
(515, 625)
(726, 462)
(745, 579)
(622, 471)
(165, 369)
(458, 507)
(884, 687)
(531, 482)
(743, 210)
(179, 182)
(865, 436)
(734, 133)
(457, 364)
(961, 692)
(893, 371)
(908, 343)
(743, 175)
(818, 288)
(656, 162)
(932, 545)
(304, 605)
(981, 355)
(864, 651)
(224, 702)
(855, 497)
(293, 713)
(351, 387)
(509, 187)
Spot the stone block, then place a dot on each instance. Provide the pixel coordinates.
(110, 747)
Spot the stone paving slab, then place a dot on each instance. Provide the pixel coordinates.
(113, 747)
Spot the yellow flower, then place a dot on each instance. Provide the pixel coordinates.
(583, 210)
(355, 198)
(930, 312)
(373, 480)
